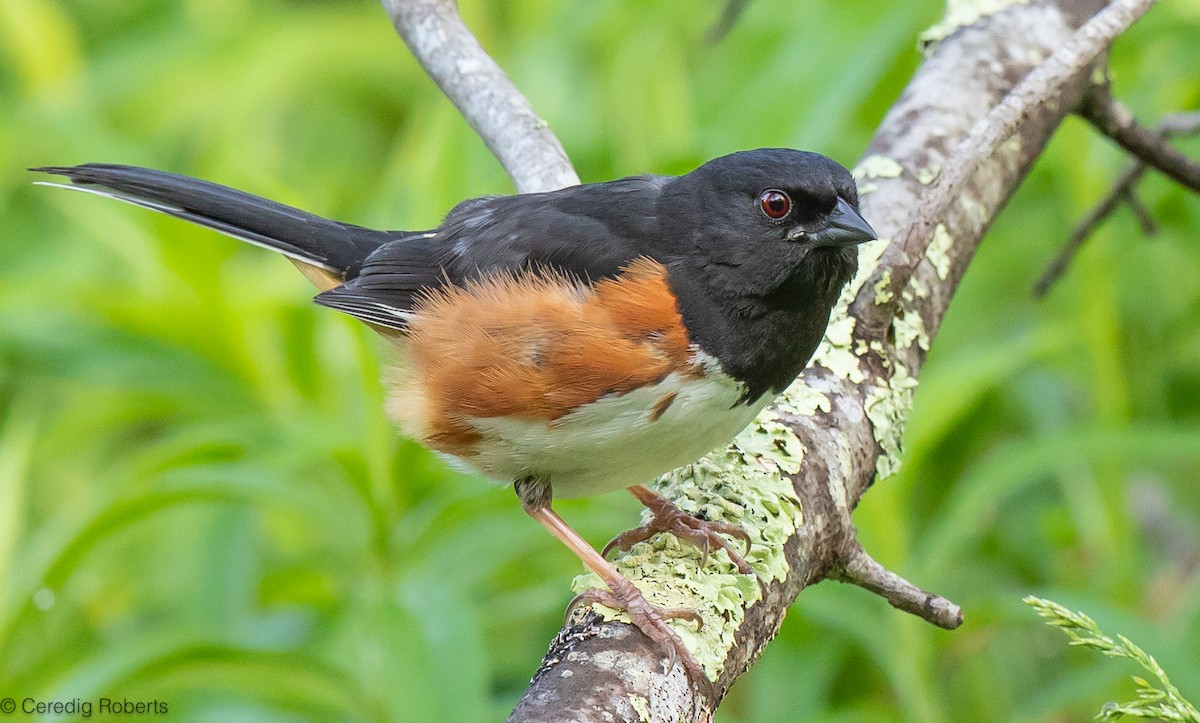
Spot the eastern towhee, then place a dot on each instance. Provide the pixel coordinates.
(581, 340)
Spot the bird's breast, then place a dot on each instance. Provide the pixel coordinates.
(618, 440)
(594, 387)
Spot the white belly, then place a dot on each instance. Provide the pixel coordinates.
(617, 441)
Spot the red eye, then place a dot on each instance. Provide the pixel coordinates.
(775, 204)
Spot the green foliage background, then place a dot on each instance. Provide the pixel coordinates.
(201, 500)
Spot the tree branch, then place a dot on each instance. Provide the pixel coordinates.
(1122, 191)
(1039, 86)
(1150, 147)
(859, 568)
(793, 477)
(503, 118)
(1180, 124)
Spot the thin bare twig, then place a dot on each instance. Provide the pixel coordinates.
(1058, 266)
(729, 17)
(498, 112)
(1119, 193)
(1142, 214)
(1041, 84)
(859, 568)
(1114, 120)
(1180, 124)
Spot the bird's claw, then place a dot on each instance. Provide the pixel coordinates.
(651, 620)
(704, 534)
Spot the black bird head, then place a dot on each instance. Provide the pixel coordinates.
(768, 223)
(763, 242)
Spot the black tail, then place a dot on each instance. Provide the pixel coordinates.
(331, 245)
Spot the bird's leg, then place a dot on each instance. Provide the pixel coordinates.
(621, 594)
(704, 534)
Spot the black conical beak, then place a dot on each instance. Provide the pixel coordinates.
(844, 227)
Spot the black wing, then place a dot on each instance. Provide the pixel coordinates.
(589, 232)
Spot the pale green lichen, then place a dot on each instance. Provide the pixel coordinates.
(937, 250)
(876, 166)
(909, 327)
(801, 400)
(960, 14)
(926, 176)
(973, 206)
(883, 291)
(888, 404)
(743, 484)
(641, 706)
(916, 289)
(868, 258)
(771, 440)
(877, 347)
(835, 352)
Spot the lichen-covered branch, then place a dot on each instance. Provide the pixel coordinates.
(807, 461)
(498, 112)
(945, 159)
(1040, 85)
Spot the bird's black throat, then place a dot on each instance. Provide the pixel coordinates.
(763, 333)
